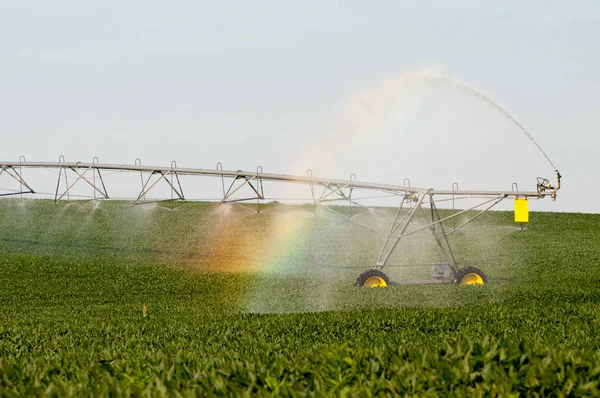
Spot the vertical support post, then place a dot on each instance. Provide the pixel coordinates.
(406, 184)
(309, 174)
(138, 162)
(95, 162)
(259, 187)
(405, 222)
(57, 186)
(173, 166)
(102, 182)
(352, 181)
(435, 218)
(61, 159)
(454, 190)
(143, 191)
(21, 160)
(392, 227)
(220, 168)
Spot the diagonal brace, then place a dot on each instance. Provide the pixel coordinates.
(246, 181)
(105, 194)
(16, 176)
(163, 176)
(81, 176)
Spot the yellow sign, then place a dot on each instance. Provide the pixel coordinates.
(521, 210)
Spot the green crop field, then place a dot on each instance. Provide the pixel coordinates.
(197, 299)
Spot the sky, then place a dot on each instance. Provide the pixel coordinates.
(340, 87)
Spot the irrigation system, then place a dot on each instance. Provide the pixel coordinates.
(415, 204)
(417, 210)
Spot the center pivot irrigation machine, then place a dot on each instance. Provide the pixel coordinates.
(413, 202)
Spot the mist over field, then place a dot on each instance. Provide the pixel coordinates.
(279, 290)
(202, 298)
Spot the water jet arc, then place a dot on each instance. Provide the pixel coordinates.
(464, 87)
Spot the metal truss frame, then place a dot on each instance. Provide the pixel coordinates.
(147, 187)
(400, 228)
(163, 174)
(416, 204)
(81, 176)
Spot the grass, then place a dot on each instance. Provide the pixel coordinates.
(246, 304)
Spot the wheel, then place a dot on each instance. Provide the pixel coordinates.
(470, 276)
(372, 278)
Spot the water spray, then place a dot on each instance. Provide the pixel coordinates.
(462, 86)
(434, 78)
(411, 217)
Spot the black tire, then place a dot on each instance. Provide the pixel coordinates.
(470, 276)
(367, 278)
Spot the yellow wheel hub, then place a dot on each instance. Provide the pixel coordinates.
(375, 281)
(471, 279)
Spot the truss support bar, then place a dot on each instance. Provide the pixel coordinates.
(354, 221)
(173, 189)
(14, 193)
(337, 190)
(476, 216)
(322, 193)
(258, 189)
(369, 209)
(444, 246)
(382, 260)
(239, 200)
(452, 216)
(96, 189)
(163, 176)
(70, 187)
(17, 177)
(398, 225)
(80, 176)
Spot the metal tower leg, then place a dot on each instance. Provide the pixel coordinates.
(257, 188)
(444, 246)
(163, 176)
(403, 225)
(81, 176)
